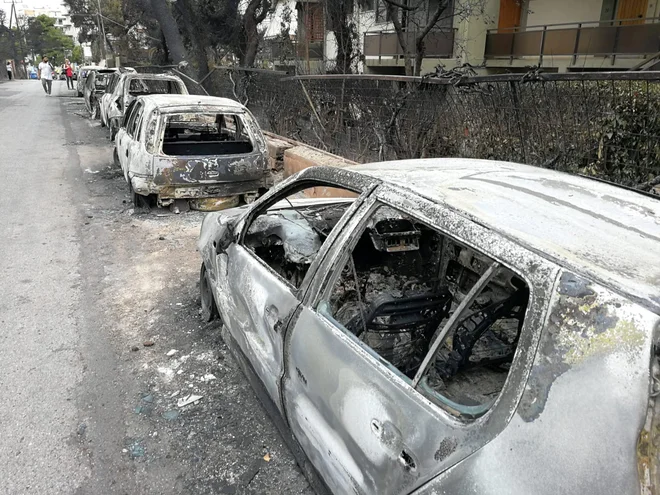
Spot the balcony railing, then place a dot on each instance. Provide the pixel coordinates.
(599, 38)
(438, 43)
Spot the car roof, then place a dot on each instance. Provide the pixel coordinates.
(609, 233)
(172, 103)
(146, 75)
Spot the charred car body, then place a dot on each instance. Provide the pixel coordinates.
(81, 76)
(456, 326)
(190, 147)
(104, 100)
(131, 85)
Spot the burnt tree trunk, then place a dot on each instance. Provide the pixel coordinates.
(337, 15)
(170, 30)
(255, 13)
(187, 13)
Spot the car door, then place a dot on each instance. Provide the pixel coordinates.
(359, 419)
(124, 138)
(256, 301)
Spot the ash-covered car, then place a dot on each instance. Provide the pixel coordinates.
(448, 326)
(201, 148)
(105, 99)
(129, 86)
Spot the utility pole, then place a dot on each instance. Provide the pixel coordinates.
(103, 54)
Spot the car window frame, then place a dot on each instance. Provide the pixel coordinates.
(418, 207)
(132, 122)
(127, 115)
(279, 194)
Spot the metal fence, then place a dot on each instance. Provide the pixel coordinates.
(602, 124)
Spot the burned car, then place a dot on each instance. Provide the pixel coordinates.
(129, 86)
(173, 147)
(104, 101)
(448, 326)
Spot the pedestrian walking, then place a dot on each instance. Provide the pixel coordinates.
(9, 70)
(68, 71)
(45, 73)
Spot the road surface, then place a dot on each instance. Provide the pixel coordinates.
(86, 282)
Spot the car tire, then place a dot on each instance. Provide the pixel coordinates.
(113, 133)
(209, 308)
(79, 94)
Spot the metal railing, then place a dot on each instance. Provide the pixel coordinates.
(597, 38)
(438, 43)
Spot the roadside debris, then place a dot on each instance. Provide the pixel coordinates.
(171, 352)
(184, 401)
(208, 377)
(148, 343)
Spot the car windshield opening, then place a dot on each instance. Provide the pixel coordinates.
(402, 283)
(138, 87)
(289, 235)
(101, 81)
(190, 134)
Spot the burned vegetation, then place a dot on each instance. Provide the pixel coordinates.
(400, 284)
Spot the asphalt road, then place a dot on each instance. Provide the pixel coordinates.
(85, 283)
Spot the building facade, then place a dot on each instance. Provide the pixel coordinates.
(494, 35)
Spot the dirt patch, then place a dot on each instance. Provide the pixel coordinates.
(144, 288)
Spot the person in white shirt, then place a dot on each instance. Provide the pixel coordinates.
(9, 70)
(45, 73)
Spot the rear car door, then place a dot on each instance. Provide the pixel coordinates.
(257, 290)
(124, 138)
(370, 421)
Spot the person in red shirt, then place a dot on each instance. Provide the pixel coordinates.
(68, 70)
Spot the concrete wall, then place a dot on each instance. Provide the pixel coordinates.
(289, 157)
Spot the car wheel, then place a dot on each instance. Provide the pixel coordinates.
(79, 94)
(113, 133)
(102, 121)
(95, 111)
(209, 308)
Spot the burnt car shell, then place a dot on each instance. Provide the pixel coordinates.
(242, 169)
(578, 410)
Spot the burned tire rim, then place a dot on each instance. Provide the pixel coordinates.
(209, 309)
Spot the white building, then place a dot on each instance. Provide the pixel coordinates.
(59, 12)
(499, 35)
